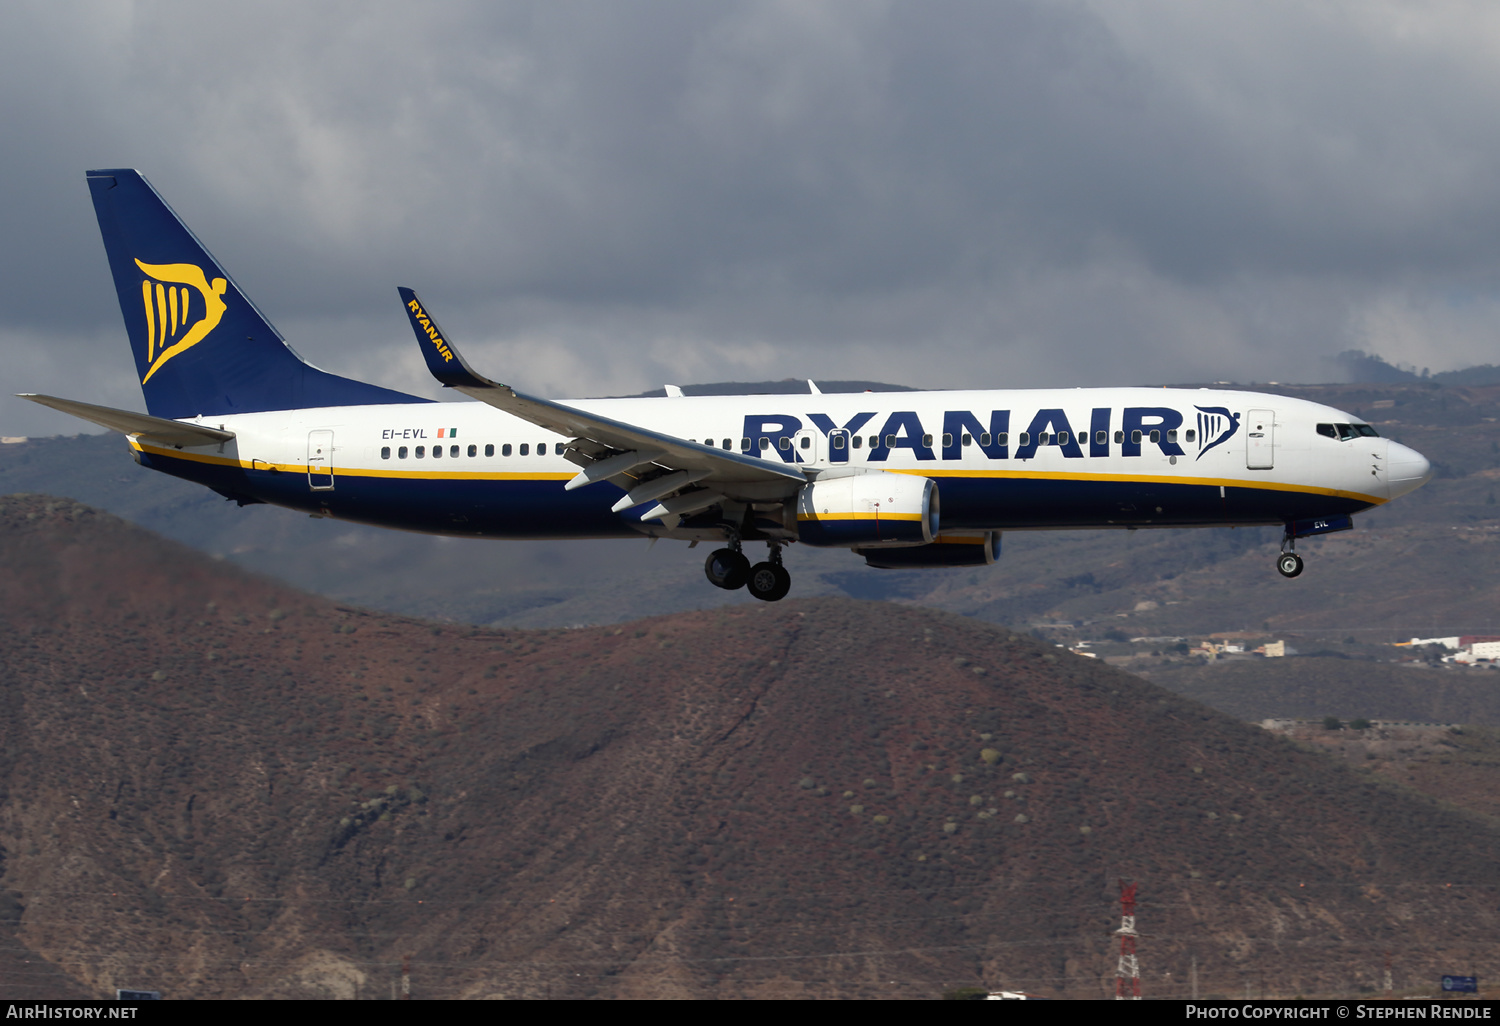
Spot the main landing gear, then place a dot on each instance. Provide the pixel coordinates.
(1288, 564)
(729, 569)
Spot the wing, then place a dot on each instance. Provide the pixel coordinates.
(648, 464)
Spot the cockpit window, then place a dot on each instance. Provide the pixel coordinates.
(1347, 432)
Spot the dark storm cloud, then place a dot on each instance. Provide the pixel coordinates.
(596, 197)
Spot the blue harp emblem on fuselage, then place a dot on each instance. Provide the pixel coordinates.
(1216, 425)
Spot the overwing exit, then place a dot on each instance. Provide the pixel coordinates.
(912, 479)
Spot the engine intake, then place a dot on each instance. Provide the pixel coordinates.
(864, 511)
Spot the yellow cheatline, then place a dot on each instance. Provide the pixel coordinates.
(860, 516)
(299, 468)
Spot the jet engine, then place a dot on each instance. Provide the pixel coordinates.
(867, 511)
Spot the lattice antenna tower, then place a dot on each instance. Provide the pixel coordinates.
(1128, 975)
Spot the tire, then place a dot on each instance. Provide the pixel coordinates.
(727, 569)
(1289, 564)
(769, 582)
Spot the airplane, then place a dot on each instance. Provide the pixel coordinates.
(901, 479)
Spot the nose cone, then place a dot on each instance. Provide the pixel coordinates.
(1407, 469)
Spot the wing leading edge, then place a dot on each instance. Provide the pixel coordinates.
(649, 465)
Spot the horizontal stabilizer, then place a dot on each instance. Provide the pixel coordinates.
(154, 429)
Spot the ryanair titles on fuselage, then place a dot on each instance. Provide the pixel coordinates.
(1127, 434)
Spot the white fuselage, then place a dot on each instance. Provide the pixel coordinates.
(1014, 459)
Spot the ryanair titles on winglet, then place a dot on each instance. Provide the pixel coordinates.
(420, 316)
(1122, 432)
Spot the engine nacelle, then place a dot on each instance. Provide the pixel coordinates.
(980, 549)
(876, 510)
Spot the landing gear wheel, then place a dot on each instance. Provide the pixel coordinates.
(727, 569)
(1289, 564)
(769, 582)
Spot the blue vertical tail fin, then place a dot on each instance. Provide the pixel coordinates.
(201, 347)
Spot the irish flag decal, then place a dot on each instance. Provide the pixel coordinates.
(451, 432)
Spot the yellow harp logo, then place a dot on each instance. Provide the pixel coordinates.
(170, 305)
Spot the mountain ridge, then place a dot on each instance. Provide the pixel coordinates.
(218, 786)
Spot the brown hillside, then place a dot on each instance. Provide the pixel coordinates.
(218, 787)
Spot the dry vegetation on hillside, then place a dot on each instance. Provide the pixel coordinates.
(221, 787)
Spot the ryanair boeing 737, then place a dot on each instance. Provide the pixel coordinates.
(906, 479)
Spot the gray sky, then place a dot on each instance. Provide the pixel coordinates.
(596, 197)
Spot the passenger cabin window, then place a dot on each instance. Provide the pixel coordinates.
(765, 443)
(401, 453)
(968, 439)
(858, 441)
(947, 440)
(1172, 435)
(1120, 437)
(890, 441)
(1062, 438)
(385, 452)
(525, 449)
(1001, 439)
(473, 450)
(784, 443)
(453, 451)
(437, 452)
(1155, 435)
(1192, 435)
(1042, 438)
(505, 449)
(744, 445)
(927, 441)
(1102, 437)
(1135, 437)
(1024, 438)
(727, 444)
(838, 441)
(421, 451)
(489, 450)
(806, 442)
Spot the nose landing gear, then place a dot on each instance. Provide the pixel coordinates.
(1289, 564)
(728, 568)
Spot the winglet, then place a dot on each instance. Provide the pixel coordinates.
(442, 359)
